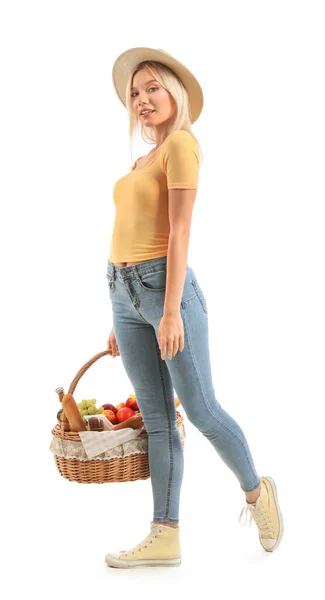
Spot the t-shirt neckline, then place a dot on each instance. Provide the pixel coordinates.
(157, 153)
(149, 163)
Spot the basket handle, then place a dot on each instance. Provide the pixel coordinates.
(88, 364)
(83, 369)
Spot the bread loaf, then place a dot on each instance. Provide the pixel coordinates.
(72, 413)
(135, 422)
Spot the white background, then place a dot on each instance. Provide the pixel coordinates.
(257, 248)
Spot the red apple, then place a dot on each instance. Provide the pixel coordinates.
(124, 413)
(120, 405)
(132, 403)
(110, 415)
(109, 407)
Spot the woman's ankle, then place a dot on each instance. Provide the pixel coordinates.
(175, 525)
(251, 497)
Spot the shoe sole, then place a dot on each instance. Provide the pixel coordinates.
(111, 561)
(281, 525)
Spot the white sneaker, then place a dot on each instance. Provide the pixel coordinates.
(161, 548)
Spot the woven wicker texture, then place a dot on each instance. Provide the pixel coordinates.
(126, 462)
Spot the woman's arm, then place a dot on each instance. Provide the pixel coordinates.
(180, 208)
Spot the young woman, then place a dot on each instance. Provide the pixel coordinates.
(160, 313)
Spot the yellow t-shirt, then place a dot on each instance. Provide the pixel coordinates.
(141, 226)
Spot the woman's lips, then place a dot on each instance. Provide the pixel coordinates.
(148, 114)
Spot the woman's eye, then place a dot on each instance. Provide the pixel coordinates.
(152, 88)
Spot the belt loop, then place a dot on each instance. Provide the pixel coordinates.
(112, 284)
(137, 273)
(113, 276)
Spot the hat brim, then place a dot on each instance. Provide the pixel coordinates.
(125, 63)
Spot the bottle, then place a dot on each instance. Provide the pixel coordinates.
(64, 421)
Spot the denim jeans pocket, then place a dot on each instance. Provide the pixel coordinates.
(200, 295)
(155, 281)
(111, 282)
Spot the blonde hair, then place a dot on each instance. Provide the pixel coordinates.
(172, 83)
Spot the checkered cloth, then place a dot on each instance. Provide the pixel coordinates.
(96, 442)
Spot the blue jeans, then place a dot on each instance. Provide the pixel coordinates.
(137, 295)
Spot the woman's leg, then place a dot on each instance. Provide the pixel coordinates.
(190, 371)
(152, 385)
(191, 376)
(138, 301)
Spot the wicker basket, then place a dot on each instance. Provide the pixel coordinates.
(129, 463)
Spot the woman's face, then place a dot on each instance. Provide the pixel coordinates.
(148, 93)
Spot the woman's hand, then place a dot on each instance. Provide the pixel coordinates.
(112, 346)
(171, 335)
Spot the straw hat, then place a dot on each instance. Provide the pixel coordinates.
(126, 62)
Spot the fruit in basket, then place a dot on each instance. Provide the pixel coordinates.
(61, 417)
(132, 403)
(120, 405)
(124, 413)
(58, 416)
(88, 407)
(109, 407)
(110, 415)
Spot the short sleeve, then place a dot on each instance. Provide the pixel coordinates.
(180, 160)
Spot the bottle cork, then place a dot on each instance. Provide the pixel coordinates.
(60, 393)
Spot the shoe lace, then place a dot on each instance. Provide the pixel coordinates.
(148, 540)
(260, 516)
